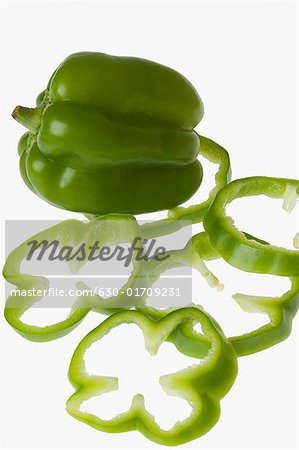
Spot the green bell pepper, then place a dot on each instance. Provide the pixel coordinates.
(107, 230)
(202, 385)
(280, 310)
(112, 134)
(233, 245)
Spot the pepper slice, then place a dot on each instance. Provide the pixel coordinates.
(234, 246)
(108, 230)
(202, 385)
(280, 310)
(181, 216)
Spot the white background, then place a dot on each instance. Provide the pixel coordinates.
(242, 58)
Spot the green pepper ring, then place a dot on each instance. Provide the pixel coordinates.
(280, 310)
(125, 229)
(201, 385)
(234, 246)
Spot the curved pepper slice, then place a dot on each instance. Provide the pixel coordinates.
(107, 230)
(202, 385)
(280, 310)
(178, 217)
(119, 128)
(234, 246)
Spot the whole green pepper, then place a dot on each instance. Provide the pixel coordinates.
(112, 134)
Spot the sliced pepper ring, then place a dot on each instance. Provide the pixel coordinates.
(202, 385)
(214, 153)
(234, 246)
(107, 230)
(280, 310)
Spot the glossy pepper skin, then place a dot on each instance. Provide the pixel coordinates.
(112, 134)
(203, 385)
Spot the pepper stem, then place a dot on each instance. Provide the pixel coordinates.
(29, 117)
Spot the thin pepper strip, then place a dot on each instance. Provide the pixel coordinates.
(107, 230)
(181, 216)
(234, 246)
(202, 385)
(280, 310)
